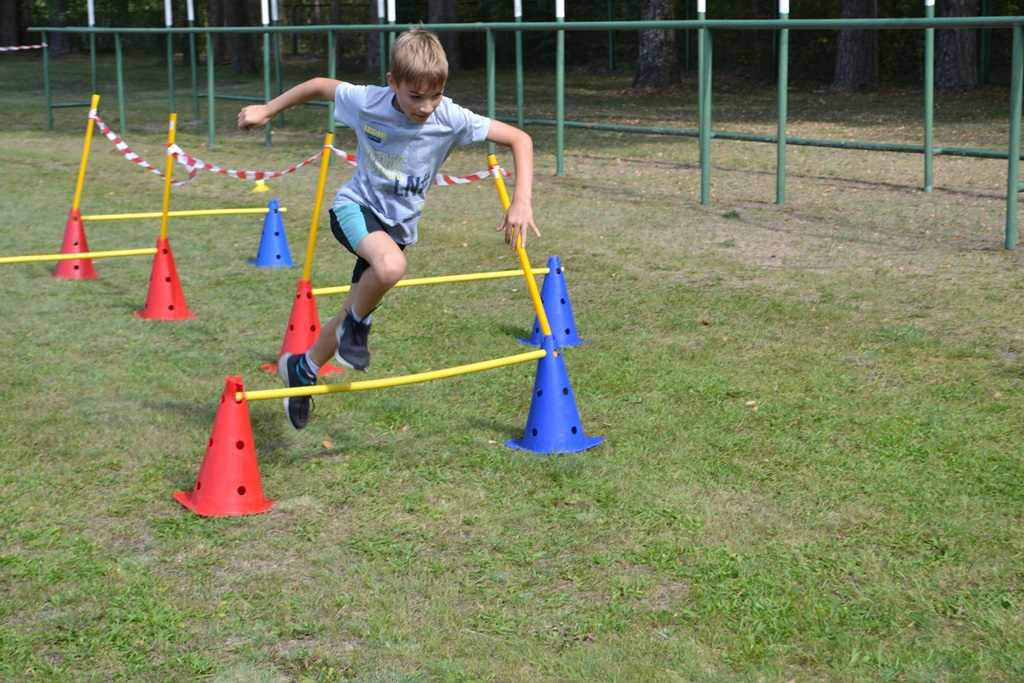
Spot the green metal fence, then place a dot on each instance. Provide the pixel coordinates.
(704, 28)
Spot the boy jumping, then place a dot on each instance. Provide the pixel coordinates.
(404, 133)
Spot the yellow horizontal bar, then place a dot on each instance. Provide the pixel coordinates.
(318, 389)
(440, 279)
(149, 251)
(176, 214)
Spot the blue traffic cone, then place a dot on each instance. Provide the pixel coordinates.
(273, 251)
(553, 425)
(555, 299)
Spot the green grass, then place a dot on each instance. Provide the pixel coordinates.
(811, 471)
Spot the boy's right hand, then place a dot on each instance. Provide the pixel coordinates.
(253, 116)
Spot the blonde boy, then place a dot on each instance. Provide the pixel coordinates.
(405, 131)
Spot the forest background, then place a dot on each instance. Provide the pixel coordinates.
(854, 60)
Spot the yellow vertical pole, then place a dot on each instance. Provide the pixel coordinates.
(171, 129)
(524, 260)
(85, 153)
(325, 162)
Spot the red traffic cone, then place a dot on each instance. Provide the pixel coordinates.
(165, 300)
(229, 478)
(303, 327)
(74, 243)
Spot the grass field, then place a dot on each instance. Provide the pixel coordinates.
(812, 468)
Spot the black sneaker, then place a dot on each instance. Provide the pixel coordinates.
(297, 408)
(352, 351)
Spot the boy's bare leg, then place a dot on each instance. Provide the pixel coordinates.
(327, 343)
(387, 266)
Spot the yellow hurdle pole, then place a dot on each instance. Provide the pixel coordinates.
(36, 258)
(318, 389)
(326, 162)
(85, 153)
(524, 260)
(439, 280)
(177, 214)
(171, 129)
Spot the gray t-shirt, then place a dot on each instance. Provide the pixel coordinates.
(396, 158)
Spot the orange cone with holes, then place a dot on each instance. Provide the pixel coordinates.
(74, 243)
(303, 327)
(229, 478)
(165, 300)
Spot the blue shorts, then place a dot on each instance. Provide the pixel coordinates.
(350, 223)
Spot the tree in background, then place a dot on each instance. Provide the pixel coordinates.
(60, 43)
(8, 23)
(657, 64)
(856, 49)
(339, 38)
(956, 50)
(242, 47)
(220, 41)
(447, 12)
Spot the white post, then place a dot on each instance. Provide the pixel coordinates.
(92, 15)
(517, 11)
(391, 11)
(168, 18)
(191, 12)
(702, 6)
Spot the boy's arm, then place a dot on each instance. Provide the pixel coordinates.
(519, 216)
(258, 115)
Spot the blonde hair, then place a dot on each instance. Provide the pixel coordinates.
(417, 58)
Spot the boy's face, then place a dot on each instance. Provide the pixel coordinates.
(416, 100)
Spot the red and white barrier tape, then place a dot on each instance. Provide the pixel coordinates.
(125, 150)
(443, 179)
(440, 178)
(350, 158)
(15, 48)
(193, 164)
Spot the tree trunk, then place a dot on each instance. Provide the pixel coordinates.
(220, 43)
(956, 50)
(857, 50)
(656, 63)
(447, 12)
(244, 53)
(336, 19)
(8, 23)
(60, 43)
(373, 41)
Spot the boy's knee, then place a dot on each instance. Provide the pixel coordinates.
(391, 268)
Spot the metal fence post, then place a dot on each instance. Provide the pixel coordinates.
(704, 103)
(783, 85)
(929, 95)
(1013, 187)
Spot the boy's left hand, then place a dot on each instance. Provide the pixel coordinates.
(515, 222)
